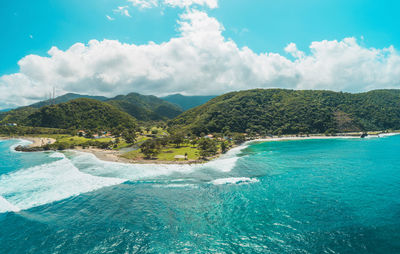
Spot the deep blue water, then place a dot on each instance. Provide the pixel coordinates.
(309, 196)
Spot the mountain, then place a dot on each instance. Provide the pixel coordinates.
(65, 98)
(18, 115)
(145, 107)
(5, 110)
(187, 102)
(280, 111)
(80, 114)
(142, 107)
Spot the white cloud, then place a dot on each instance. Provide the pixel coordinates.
(199, 61)
(144, 4)
(187, 3)
(123, 10)
(109, 18)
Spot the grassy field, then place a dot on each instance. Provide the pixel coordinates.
(167, 153)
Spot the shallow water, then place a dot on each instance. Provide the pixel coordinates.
(309, 196)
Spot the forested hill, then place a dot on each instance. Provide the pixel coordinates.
(142, 107)
(80, 114)
(66, 98)
(145, 107)
(279, 111)
(19, 115)
(187, 102)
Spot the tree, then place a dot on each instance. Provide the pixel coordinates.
(89, 134)
(207, 147)
(239, 138)
(177, 139)
(129, 136)
(150, 148)
(224, 147)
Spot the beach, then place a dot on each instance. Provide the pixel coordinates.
(36, 141)
(115, 156)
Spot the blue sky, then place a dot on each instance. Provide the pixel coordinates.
(263, 26)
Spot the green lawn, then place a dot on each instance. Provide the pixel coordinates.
(167, 154)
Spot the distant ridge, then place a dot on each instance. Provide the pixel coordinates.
(141, 107)
(145, 107)
(66, 98)
(80, 113)
(187, 102)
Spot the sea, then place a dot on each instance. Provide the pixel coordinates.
(297, 196)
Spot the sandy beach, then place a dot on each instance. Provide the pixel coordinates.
(36, 142)
(115, 156)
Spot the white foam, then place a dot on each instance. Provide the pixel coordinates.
(222, 164)
(21, 142)
(57, 155)
(388, 134)
(6, 206)
(47, 183)
(92, 165)
(234, 180)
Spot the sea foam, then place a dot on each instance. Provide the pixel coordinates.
(47, 183)
(234, 180)
(6, 206)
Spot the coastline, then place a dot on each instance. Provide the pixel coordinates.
(115, 156)
(36, 141)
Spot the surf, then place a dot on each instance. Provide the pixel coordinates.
(47, 183)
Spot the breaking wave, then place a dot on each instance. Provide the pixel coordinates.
(47, 183)
(234, 180)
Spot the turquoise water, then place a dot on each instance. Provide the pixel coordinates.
(309, 196)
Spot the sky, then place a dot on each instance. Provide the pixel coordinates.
(195, 47)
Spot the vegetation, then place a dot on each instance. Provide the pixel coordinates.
(145, 108)
(279, 111)
(187, 102)
(31, 131)
(84, 114)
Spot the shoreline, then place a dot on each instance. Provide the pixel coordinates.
(114, 156)
(36, 141)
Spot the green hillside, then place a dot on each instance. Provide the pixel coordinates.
(142, 107)
(279, 111)
(187, 102)
(80, 114)
(66, 98)
(20, 114)
(145, 107)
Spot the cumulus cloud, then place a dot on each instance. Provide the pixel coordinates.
(199, 61)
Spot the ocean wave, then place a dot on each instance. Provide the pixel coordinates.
(92, 165)
(48, 183)
(234, 180)
(21, 142)
(6, 206)
(57, 155)
(388, 134)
